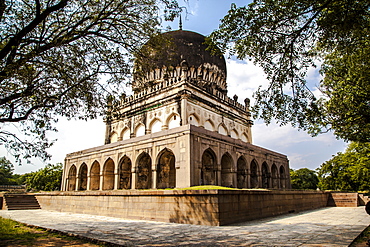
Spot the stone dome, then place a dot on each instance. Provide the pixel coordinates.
(175, 53)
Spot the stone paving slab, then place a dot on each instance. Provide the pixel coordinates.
(331, 226)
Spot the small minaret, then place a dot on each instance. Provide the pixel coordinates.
(180, 23)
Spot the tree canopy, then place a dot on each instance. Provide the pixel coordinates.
(48, 178)
(348, 171)
(303, 179)
(288, 37)
(64, 58)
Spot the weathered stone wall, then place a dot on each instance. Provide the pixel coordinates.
(343, 199)
(202, 207)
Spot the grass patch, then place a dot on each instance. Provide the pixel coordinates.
(362, 239)
(13, 233)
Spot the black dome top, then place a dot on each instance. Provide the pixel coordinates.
(177, 48)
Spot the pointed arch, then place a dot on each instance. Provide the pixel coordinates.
(125, 175)
(144, 171)
(265, 176)
(234, 134)
(282, 177)
(173, 121)
(113, 137)
(254, 174)
(125, 134)
(83, 177)
(275, 177)
(108, 175)
(193, 119)
(209, 125)
(209, 168)
(244, 137)
(95, 176)
(222, 129)
(155, 125)
(166, 172)
(242, 181)
(227, 176)
(72, 178)
(140, 130)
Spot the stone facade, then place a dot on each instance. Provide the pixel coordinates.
(178, 130)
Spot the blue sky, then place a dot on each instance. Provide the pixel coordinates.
(243, 79)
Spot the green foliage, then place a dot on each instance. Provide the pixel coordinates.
(303, 179)
(288, 37)
(348, 171)
(6, 172)
(48, 178)
(64, 58)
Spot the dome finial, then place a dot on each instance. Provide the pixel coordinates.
(180, 23)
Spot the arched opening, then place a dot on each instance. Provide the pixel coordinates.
(227, 171)
(125, 175)
(113, 137)
(156, 126)
(208, 171)
(208, 125)
(222, 130)
(244, 138)
(95, 176)
(234, 134)
(254, 174)
(140, 130)
(144, 172)
(282, 177)
(83, 177)
(174, 121)
(166, 172)
(242, 173)
(125, 134)
(72, 178)
(265, 176)
(275, 177)
(193, 120)
(108, 175)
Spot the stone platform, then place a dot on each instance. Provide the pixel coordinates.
(331, 226)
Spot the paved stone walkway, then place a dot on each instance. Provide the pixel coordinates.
(324, 227)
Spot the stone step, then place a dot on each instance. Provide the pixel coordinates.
(20, 202)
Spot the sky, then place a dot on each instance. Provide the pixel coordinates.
(243, 78)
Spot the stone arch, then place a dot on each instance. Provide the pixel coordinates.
(140, 130)
(254, 174)
(72, 178)
(193, 119)
(173, 121)
(222, 130)
(275, 177)
(125, 175)
(227, 171)
(234, 134)
(166, 171)
(282, 177)
(144, 171)
(83, 177)
(209, 125)
(265, 176)
(113, 137)
(125, 134)
(242, 169)
(209, 168)
(244, 137)
(155, 125)
(108, 175)
(95, 176)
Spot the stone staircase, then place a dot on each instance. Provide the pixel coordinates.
(363, 199)
(20, 202)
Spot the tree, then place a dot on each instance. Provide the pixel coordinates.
(303, 179)
(64, 58)
(6, 172)
(348, 171)
(48, 178)
(286, 38)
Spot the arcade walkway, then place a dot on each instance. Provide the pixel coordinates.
(332, 226)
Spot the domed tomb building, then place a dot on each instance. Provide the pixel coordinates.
(178, 129)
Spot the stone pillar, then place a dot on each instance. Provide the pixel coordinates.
(78, 181)
(101, 178)
(88, 182)
(116, 180)
(133, 178)
(154, 178)
(184, 102)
